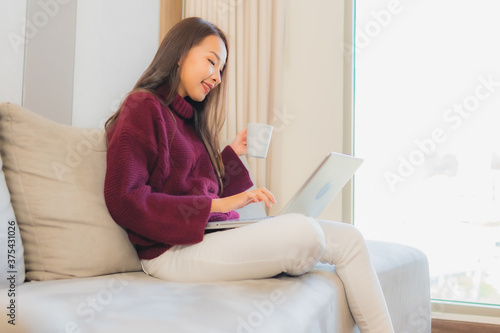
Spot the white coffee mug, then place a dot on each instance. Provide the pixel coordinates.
(258, 139)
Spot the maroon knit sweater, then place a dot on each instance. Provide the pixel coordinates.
(160, 181)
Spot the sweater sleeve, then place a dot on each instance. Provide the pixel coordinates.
(236, 178)
(132, 154)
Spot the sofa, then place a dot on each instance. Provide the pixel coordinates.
(67, 267)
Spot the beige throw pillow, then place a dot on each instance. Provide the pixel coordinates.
(12, 264)
(55, 175)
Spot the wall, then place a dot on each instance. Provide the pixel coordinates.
(12, 14)
(115, 42)
(49, 58)
(71, 61)
(312, 114)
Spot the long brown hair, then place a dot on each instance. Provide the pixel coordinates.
(209, 115)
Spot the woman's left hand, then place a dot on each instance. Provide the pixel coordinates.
(239, 144)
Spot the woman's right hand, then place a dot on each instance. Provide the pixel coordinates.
(242, 199)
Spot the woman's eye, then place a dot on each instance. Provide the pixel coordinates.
(213, 63)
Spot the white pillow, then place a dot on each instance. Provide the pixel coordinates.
(11, 247)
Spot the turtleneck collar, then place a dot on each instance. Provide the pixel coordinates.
(182, 107)
(179, 105)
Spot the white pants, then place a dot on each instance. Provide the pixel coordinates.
(292, 244)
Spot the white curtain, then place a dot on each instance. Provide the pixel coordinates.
(256, 30)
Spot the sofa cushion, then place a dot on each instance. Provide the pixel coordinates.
(55, 175)
(311, 303)
(12, 264)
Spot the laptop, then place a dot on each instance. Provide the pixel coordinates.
(318, 191)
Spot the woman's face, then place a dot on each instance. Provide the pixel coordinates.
(200, 71)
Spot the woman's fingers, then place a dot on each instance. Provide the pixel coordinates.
(243, 133)
(240, 200)
(251, 197)
(263, 194)
(239, 144)
(269, 195)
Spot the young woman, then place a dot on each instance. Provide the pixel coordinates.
(166, 177)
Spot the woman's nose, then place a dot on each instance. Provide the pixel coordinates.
(216, 77)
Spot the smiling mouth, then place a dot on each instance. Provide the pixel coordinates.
(207, 87)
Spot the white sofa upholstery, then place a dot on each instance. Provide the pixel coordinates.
(115, 296)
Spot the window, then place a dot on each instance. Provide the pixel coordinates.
(427, 123)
